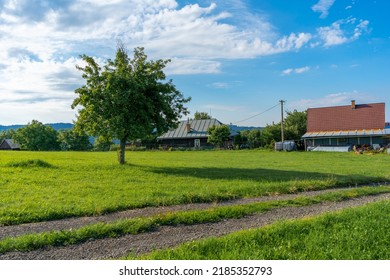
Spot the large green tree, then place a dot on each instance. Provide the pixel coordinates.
(128, 98)
(37, 137)
(218, 134)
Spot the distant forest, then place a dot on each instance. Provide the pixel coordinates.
(56, 126)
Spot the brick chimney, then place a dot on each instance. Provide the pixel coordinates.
(188, 127)
(353, 104)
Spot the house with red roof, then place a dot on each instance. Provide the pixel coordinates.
(346, 126)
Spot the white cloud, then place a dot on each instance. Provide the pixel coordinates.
(342, 31)
(332, 35)
(296, 70)
(323, 7)
(361, 28)
(184, 66)
(220, 85)
(48, 111)
(334, 99)
(302, 70)
(293, 41)
(41, 42)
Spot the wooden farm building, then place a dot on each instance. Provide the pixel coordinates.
(9, 144)
(346, 126)
(189, 134)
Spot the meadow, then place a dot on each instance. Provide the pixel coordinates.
(39, 186)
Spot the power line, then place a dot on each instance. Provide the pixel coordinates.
(269, 109)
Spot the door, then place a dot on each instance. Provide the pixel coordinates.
(197, 143)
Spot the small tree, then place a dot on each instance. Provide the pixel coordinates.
(202, 116)
(37, 137)
(254, 138)
(127, 99)
(271, 134)
(218, 134)
(295, 124)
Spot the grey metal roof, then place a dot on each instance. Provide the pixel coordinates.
(198, 129)
(348, 133)
(11, 144)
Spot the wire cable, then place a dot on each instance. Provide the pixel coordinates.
(269, 109)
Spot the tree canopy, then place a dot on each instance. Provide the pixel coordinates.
(70, 140)
(295, 124)
(294, 129)
(202, 116)
(127, 98)
(218, 135)
(37, 137)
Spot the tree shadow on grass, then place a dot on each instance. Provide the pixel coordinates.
(262, 175)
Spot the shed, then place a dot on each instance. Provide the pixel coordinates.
(9, 144)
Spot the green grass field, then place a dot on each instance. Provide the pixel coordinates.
(37, 186)
(354, 234)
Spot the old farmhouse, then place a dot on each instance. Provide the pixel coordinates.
(189, 134)
(345, 126)
(9, 144)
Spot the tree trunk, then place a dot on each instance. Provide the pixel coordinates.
(122, 151)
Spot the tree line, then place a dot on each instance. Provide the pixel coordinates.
(36, 136)
(294, 129)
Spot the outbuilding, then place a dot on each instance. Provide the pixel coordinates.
(9, 144)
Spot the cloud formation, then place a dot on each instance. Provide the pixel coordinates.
(333, 99)
(41, 41)
(323, 7)
(336, 35)
(295, 70)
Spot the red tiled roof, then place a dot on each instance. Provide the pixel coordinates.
(364, 116)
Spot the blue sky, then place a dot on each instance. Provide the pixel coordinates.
(235, 58)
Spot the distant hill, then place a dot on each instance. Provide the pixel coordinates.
(56, 126)
(237, 128)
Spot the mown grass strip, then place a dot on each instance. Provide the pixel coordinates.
(360, 233)
(138, 225)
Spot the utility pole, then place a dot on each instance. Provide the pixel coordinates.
(282, 122)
